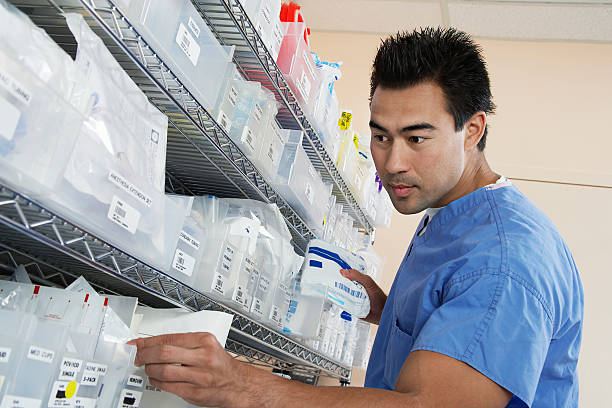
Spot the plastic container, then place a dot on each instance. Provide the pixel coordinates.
(249, 122)
(179, 36)
(264, 14)
(228, 98)
(297, 64)
(301, 185)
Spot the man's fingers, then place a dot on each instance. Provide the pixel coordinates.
(178, 373)
(185, 340)
(167, 354)
(358, 277)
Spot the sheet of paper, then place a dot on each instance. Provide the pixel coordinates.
(167, 321)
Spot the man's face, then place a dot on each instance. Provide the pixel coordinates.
(417, 152)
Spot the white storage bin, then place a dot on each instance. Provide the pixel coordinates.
(178, 34)
(301, 185)
(264, 14)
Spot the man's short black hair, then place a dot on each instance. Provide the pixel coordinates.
(447, 57)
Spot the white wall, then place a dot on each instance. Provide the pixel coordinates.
(551, 128)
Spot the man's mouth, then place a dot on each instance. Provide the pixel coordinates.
(402, 190)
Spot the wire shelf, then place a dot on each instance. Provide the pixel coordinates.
(232, 26)
(56, 252)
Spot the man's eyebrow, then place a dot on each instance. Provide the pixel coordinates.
(418, 126)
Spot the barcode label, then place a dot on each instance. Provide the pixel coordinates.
(258, 113)
(257, 307)
(232, 96)
(247, 137)
(123, 214)
(218, 284)
(194, 27)
(309, 193)
(224, 121)
(62, 394)
(188, 44)
(275, 315)
(189, 240)
(183, 263)
(41, 354)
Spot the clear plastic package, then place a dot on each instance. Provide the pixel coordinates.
(300, 184)
(114, 181)
(180, 37)
(225, 106)
(38, 125)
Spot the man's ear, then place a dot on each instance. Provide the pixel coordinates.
(474, 129)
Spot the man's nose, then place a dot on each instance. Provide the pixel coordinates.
(399, 159)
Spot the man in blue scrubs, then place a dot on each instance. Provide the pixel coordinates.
(486, 308)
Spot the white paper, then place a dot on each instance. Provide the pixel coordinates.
(183, 262)
(188, 44)
(156, 322)
(124, 215)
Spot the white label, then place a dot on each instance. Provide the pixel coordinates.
(218, 284)
(264, 283)
(240, 297)
(183, 262)
(232, 96)
(135, 381)
(309, 193)
(5, 354)
(257, 113)
(95, 369)
(312, 171)
(90, 380)
(15, 88)
(70, 368)
(41, 354)
(257, 307)
(305, 85)
(275, 315)
(278, 35)
(130, 188)
(266, 14)
(63, 394)
(226, 259)
(129, 399)
(123, 214)
(259, 28)
(189, 240)
(9, 118)
(188, 44)
(270, 152)
(224, 121)
(248, 138)
(194, 27)
(15, 401)
(81, 402)
(308, 61)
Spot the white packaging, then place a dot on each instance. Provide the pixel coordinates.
(321, 277)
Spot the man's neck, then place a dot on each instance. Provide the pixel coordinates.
(476, 174)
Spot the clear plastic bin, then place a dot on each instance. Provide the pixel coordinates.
(228, 98)
(297, 64)
(264, 14)
(268, 159)
(178, 34)
(301, 185)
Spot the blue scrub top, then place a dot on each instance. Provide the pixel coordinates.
(490, 283)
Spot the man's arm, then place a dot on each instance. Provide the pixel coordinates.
(195, 367)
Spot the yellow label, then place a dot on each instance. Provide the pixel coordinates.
(71, 389)
(356, 140)
(345, 120)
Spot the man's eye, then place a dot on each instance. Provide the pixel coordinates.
(417, 139)
(380, 138)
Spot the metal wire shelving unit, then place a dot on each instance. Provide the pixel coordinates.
(56, 252)
(201, 159)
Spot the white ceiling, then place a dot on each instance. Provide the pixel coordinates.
(575, 20)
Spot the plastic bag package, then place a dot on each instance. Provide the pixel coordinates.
(321, 277)
(363, 345)
(114, 181)
(38, 126)
(177, 33)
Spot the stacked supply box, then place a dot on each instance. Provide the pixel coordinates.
(179, 36)
(265, 16)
